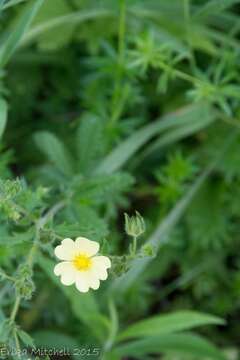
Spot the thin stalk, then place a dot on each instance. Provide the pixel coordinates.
(15, 308)
(5, 276)
(187, 19)
(134, 248)
(33, 251)
(119, 71)
(113, 328)
(17, 343)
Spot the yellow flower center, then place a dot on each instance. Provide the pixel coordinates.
(82, 262)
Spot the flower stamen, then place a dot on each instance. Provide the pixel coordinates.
(82, 262)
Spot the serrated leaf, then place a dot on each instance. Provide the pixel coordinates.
(55, 151)
(101, 189)
(89, 142)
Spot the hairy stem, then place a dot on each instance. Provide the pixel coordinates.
(32, 253)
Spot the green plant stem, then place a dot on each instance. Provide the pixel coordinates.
(187, 16)
(17, 343)
(12, 3)
(134, 248)
(122, 30)
(33, 251)
(119, 71)
(113, 328)
(5, 276)
(15, 308)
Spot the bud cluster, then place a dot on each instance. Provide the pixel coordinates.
(24, 284)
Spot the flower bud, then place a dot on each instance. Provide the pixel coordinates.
(25, 288)
(134, 225)
(148, 251)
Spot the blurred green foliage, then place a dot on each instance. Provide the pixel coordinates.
(107, 107)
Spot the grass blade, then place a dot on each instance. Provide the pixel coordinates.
(74, 18)
(123, 152)
(15, 35)
(3, 116)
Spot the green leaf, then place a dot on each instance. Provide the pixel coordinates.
(161, 234)
(51, 339)
(3, 116)
(54, 39)
(214, 7)
(55, 151)
(123, 152)
(174, 135)
(73, 18)
(26, 339)
(102, 189)
(89, 140)
(84, 306)
(13, 239)
(5, 329)
(168, 323)
(178, 344)
(12, 40)
(11, 3)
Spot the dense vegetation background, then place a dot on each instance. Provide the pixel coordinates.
(109, 107)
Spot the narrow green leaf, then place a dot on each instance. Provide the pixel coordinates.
(214, 7)
(3, 116)
(168, 323)
(55, 151)
(179, 133)
(26, 338)
(73, 18)
(15, 35)
(123, 152)
(178, 344)
(1, 4)
(11, 3)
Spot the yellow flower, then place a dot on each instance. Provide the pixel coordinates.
(81, 265)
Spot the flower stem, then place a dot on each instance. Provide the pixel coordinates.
(17, 343)
(15, 308)
(134, 248)
(32, 253)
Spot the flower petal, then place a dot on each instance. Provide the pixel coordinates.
(94, 281)
(82, 281)
(86, 246)
(67, 250)
(67, 272)
(100, 264)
